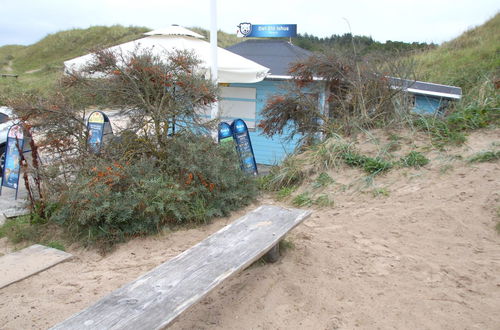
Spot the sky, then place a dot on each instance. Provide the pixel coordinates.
(25, 22)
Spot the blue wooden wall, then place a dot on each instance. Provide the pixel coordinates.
(267, 150)
(427, 105)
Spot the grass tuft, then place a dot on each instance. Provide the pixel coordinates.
(414, 159)
(303, 200)
(487, 156)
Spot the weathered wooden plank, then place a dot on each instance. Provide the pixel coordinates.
(158, 297)
(17, 266)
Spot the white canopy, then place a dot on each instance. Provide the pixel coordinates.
(232, 68)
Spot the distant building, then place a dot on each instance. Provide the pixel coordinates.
(246, 101)
(427, 98)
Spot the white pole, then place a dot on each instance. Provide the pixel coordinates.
(213, 47)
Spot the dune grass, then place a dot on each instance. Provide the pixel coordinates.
(467, 61)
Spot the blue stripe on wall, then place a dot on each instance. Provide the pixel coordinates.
(237, 99)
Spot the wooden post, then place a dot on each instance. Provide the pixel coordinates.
(274, 254)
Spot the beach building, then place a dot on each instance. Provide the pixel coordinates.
(247, 101)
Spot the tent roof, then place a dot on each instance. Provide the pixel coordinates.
(174, 30)
(277, 55)
(232, 68)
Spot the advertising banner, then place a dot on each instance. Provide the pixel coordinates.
(12, 165)
(225, 133)
(98, 126)
(244, 146)
(267, 30)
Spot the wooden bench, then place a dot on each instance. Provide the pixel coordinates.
(155, 299)
(7, 75)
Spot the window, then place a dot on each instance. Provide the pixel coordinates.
(238, 102)
(4, 118)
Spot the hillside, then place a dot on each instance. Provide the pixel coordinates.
(58, 47)
(38, 65)
(61, 46)
(467, 61)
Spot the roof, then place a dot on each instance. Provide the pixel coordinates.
(277, 55)
(232, 68)
(426, 88)
(174, 30)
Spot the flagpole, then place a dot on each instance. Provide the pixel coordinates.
(213, 65)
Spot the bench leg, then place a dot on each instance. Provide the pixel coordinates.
(274, 254)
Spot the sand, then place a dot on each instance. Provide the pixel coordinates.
(426, 256)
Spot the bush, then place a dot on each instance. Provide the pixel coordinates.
(440, 131)
(414, 159)
(487, 156)
(289, 174)
(370, 165)
(109, 202)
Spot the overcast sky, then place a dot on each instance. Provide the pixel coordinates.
(27, 21)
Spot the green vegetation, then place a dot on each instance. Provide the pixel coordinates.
(152, 175)
(303, 200)
(19, 229)
(377, 192)
(370, 165)
(285, 245)
(323, 180)
(364, 45)
(453, 128)
(56, 245)
(40, 65)
(414, 159)
(289, 174)
(108, 203)
(486, 156)
(469, 61)
(285, 192)
(24, 230)
(323, 201)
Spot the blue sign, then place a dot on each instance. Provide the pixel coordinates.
(98, 125)
(225, 133)
(267, 30)
(12, 165)
(244, 146)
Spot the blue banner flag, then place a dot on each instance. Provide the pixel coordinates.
(225, 133)
(244, 146)
(267, 30)
(12, 165)
(98, 126)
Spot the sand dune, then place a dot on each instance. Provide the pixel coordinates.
(426, 256)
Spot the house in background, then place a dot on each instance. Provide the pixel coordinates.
(427, 98)
(246, 101)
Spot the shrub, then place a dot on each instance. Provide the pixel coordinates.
(440, 131)
(19, 229)
(322, 180)
(285, 192)
(487, 156)
(414, 159)
(323, 201)
(290, 173)
(302, 200)
(370, 165)
(109, 202)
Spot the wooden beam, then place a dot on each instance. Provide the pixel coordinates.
(158, 297)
